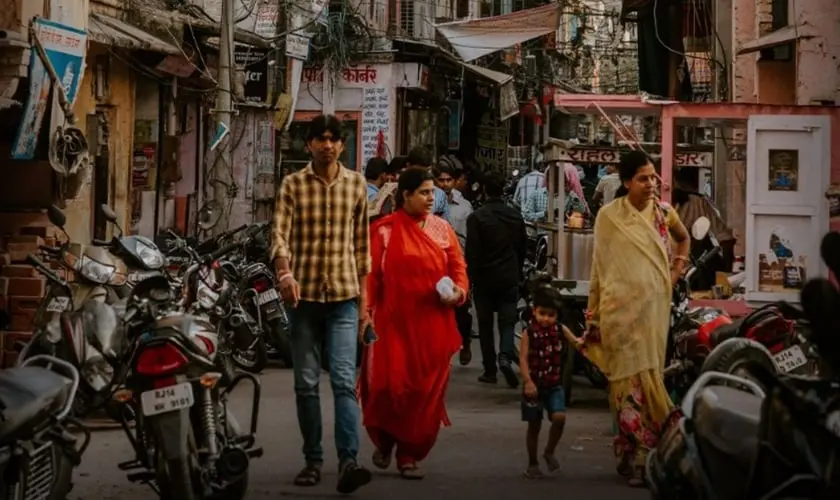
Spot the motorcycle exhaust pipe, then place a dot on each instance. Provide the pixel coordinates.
(232, 463)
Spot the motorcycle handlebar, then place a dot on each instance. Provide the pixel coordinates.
(42, 268)
(707, 255)
(222, 252)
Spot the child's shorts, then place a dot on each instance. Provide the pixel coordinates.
(550, 401)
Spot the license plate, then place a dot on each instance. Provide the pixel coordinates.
(58, 304)
(790, 359)
(268, 296)
(167, 399)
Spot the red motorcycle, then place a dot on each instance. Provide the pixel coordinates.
(781, 328)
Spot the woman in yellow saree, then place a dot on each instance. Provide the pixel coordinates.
(641, 248)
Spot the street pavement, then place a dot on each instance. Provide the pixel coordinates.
(482, 455)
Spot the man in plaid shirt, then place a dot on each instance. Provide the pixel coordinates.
(320, 252)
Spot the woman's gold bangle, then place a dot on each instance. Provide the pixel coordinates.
(681, 258)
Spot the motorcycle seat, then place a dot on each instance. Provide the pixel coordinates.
(726, 332)
(30, 395)
(727, 424)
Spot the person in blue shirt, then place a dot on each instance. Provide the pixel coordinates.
(376, 175)
(419, 157)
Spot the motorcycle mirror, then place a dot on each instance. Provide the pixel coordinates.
(515, 172)
(700, 228)
(209, 215)
(108, 212)
(57, 217)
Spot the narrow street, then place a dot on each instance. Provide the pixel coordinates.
(482, 454)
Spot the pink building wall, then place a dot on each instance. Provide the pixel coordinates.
(812, 77)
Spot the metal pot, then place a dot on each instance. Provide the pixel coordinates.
(579, 246)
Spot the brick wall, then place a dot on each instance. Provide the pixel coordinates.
(21, 287)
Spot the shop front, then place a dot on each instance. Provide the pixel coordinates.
(362, 96)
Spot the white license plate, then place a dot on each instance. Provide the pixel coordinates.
(167, 399)
(268, 295)
(790, 359)
(58, 304)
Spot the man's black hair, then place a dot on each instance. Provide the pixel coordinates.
(443, 168)
(419, 157)
(375, 168)
(494, 184)
(323, 124)
(397, 164)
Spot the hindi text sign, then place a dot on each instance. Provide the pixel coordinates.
(612, 156)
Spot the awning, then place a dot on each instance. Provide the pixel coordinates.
(779, 37)
(474, 38)
(109, 31)
(488, 74)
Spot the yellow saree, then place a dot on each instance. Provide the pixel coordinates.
(629, 302)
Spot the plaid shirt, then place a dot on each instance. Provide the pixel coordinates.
(536, 209)
(529, 183)
(544, 355)
(323, 230)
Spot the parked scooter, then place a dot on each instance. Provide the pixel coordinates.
(40, 443)
(75, 322)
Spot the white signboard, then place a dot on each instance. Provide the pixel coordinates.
(297, 47)
(376, 120)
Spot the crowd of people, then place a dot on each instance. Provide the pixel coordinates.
(393, 260)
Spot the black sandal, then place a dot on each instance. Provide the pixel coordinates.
(309, 476)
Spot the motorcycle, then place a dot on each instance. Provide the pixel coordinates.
(779, 431)
(140, 254)
(187, 443)
(75, 321)
(689, 336)
(214, 285)
(781, 328)
(38, 448)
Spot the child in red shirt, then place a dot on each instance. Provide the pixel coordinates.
(540, 363)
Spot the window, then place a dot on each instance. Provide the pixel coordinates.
(779, 11)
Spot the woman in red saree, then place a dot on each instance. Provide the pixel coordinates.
(406, 370)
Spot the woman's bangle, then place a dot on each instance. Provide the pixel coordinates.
(284, 277)
(681, 258)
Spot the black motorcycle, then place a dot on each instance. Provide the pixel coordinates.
(187, 443)
(759, 433)
(39, 440)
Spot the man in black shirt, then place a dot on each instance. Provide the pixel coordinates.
(495, 252)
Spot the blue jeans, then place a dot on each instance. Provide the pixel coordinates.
(337, 325)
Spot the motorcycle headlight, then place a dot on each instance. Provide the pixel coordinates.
(94, 270)
(151, 256)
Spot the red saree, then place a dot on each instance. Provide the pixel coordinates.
(405, 372)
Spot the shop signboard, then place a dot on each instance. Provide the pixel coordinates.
(254, 63)
(297, 46)
(600, 156)
(65, 47)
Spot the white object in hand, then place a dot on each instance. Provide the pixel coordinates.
(446, 288)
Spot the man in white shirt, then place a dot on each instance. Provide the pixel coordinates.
(459, 210)
(607, 186)
(529, 183)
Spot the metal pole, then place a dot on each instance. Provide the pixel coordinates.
(224, 112)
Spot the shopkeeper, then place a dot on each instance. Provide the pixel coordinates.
(691, 204)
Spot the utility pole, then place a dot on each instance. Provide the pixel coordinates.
(223, 166)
